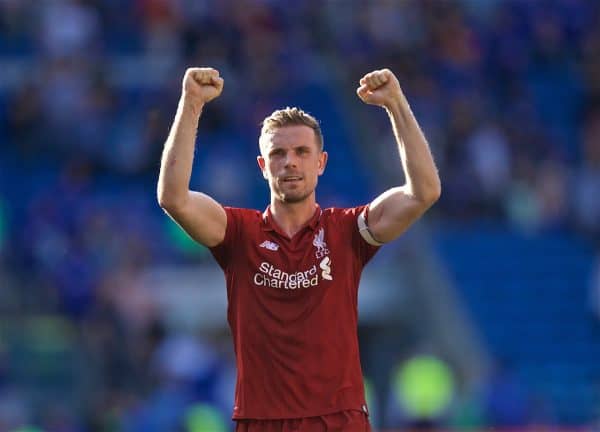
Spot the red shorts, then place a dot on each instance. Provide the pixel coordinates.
(346, 421)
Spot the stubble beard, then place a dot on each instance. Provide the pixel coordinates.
(292, 197)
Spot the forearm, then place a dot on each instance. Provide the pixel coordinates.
(422, 180)
(178, 155)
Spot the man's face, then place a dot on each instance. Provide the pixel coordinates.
(292, 162)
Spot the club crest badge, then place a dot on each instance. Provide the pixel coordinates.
(319, 243)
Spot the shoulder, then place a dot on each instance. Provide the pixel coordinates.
(354, 219)
(342, 213)
(241, 223)
(243, 212)
(343, 218)
(242, 218)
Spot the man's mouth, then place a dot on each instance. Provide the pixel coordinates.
(288, 179)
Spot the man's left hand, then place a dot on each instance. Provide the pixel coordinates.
(379, 87)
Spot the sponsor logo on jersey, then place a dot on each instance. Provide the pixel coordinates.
(270, 276)
(325, 265)
(269, 245)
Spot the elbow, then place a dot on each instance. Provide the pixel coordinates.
(436, 192)
(168, 202)
(432, 194)
(163, 202)
(161, 197)
(168, 205)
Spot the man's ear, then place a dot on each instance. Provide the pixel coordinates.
(322, 162)
(262, 164)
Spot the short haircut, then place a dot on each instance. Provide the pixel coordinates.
(292, 117)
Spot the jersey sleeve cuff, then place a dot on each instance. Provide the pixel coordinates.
(364, 230)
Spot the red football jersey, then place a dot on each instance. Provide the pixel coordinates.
(292, 310)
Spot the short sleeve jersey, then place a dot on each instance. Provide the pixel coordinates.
(292, 310)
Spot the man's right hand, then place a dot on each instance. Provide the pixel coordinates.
(201, 85)
(199, 215)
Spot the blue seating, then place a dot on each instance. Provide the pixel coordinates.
(528, 295)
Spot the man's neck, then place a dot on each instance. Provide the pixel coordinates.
(291, 217)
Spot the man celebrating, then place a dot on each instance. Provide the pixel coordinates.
(292, 272)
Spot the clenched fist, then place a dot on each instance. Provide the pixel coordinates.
(201, 85)
(379, 87)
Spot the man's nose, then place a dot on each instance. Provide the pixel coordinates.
(291, 159)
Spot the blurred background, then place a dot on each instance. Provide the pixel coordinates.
(485, 314)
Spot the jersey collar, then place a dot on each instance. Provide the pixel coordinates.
(269, 224)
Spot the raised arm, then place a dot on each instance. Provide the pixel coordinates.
(391, 213)
(198, 214)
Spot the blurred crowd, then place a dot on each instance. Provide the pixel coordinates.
(508, 93)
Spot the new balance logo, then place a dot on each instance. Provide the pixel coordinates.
(269, 245)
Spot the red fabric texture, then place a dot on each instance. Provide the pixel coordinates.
(345, 421)
(292, 310)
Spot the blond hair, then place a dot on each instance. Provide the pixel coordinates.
(292, 117)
